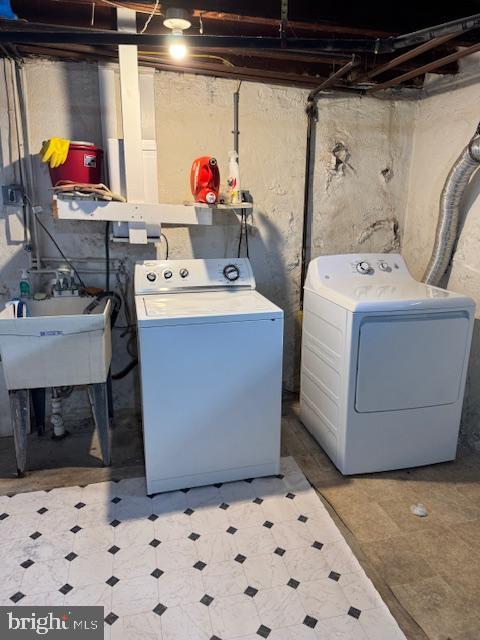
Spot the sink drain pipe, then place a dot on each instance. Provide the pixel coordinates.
(56, 417)
(458, 178)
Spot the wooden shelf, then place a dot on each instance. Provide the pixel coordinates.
(68, 208)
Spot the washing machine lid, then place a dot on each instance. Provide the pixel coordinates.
(376, 282)
(232, 305)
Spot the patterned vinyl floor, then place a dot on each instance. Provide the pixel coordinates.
(252, 559)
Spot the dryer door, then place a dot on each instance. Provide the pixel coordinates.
(412, 360)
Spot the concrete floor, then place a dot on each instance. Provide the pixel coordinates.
(429, 567)
(76, 459)
(426, 569)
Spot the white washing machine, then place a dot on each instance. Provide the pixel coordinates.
(384, 361)
(210, 351)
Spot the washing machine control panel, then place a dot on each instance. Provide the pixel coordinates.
(231, 272)
(164, 276)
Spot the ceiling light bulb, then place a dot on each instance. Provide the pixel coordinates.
(177, 20)
(177, 48)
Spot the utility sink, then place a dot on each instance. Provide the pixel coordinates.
(57, 345)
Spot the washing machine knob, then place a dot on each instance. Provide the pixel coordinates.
(183, 273)
(167, 274)
(363, 267)
(383, 266)
(151, 277)
(231, 272)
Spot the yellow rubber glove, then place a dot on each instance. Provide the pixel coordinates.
(55, 151)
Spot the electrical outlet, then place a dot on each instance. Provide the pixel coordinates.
(12, 195)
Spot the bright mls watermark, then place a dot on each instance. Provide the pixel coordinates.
(25, 623)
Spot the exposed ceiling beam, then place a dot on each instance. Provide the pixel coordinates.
(405, 57)
(140, 7)
(219, 16)
(191, 67)
(334, 45)
(279, 56)
(333, 78)
(295, 25)
(426, 68)
(31, 35)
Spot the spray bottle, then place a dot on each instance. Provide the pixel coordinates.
(25, 290)
(234, 193)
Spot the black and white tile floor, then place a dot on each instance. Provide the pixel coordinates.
(250, 559)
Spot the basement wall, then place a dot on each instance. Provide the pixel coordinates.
(358, 201)
(447, 117)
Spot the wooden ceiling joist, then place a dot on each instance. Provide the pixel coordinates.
(427, 68)
(191, 67)
(304, 68)
(405, 57)
(293, 25)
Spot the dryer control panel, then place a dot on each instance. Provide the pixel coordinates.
(368, 267)
(171, 276)
(377, 264)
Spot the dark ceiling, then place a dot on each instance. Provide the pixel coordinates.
(280, 64)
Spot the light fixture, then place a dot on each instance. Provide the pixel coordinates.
(177, 20)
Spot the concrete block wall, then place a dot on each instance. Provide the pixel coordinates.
(359, 197)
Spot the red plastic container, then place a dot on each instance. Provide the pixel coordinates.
(83, 164)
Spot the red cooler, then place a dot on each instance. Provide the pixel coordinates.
(83, 164)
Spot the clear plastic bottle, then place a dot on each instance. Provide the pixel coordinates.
(234, 193)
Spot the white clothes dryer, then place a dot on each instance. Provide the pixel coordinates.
(384, 361)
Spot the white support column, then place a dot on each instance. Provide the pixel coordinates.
(131, 119)
(149, 135)
(149, 142)
(108, 112)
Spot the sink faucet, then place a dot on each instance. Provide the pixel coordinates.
(64, 282)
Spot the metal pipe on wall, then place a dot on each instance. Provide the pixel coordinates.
(458, 178)
(236, 132)
(312, 117)
(25, 160)
(312, 114)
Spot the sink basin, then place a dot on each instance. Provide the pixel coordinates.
(57, 345)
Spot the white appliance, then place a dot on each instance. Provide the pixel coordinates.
(211, 369)
(384, 361)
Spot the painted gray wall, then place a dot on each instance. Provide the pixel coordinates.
(355, 206)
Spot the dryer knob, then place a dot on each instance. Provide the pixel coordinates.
(183, 273)
(151, 277)
(383, 266)
(363, 267)
(167, 274)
